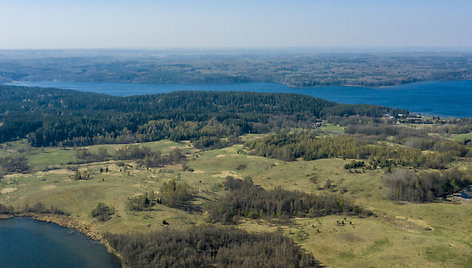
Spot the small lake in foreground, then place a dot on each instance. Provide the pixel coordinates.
(25, 242)
(443, 98)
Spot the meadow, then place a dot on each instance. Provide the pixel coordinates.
(402, 234)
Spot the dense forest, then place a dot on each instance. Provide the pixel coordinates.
(50, 117)
(294, 68)
(208, 246)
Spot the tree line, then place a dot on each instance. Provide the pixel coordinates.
(209, 246)
(37, 207)
(143, 155)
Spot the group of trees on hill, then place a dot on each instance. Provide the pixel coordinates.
(89, 156)
(405, 185)
(175, 194)
(171, 193)
(13, 164)
(209, 246)
(309, 146)
(410, 137)
(66, 117)
(102, 212)
(143, 201)
(244, 199)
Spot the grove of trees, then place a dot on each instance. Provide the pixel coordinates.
(209, 246)
(405, 185)
(310, 146)
(244, 199)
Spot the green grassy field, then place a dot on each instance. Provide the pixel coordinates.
(399, 235)
(461, 137)
(330, 128)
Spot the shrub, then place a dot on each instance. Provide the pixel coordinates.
(39, 207)
(102, 212)
(142, 202)
(6, 209)
(175, 194)
(13, 164)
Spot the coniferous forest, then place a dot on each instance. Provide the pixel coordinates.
(50, 117)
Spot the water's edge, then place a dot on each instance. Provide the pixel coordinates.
(73, 223)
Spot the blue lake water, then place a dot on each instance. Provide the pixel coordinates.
(443, 98)
(29, 243)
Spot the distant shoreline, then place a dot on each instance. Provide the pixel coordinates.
(19, 82)
(443, 98)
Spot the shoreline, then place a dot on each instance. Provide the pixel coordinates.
(73, 223)
(380, 86)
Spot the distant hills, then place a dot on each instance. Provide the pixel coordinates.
(292, 67)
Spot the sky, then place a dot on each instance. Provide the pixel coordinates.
(155, 24)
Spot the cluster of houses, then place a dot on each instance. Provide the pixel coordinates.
(411, 119)
(316, 124)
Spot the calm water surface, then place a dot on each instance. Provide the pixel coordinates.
(444, 98)
(29, 243)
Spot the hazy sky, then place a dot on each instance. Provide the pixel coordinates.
(237, 23)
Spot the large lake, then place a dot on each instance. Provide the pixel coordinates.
(29, 243)
(443, 98)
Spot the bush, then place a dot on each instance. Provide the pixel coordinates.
(6, 209)
(87, 156)
(142, 202)
(355, 164)
(132, 152)
(39, 207)
(82, 175)
(13, 164)
(175, 194)
(102, 212)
